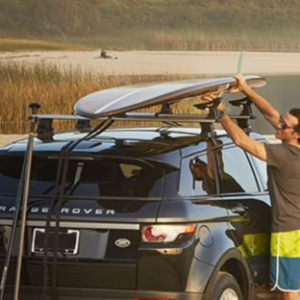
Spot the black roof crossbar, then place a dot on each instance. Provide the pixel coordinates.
(166, 116)
(147, 117)
(206, 121)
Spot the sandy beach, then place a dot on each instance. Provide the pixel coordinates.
(6, 139)
(164, 62)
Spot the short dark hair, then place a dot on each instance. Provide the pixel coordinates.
(196, 162)
(296, 113)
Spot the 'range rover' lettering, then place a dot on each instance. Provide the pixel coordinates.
(69, 211)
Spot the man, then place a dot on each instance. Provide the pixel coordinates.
(205, 172)
(283, 166)
(200, 172)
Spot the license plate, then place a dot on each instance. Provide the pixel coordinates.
(68, 241)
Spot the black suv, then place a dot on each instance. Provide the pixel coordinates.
(165, 212)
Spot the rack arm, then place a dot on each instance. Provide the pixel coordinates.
(34, 107)
(245, 104)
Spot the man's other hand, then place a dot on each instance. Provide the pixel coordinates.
(210, 97)
(241, 85)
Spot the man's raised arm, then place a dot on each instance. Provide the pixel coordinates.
(267, 110)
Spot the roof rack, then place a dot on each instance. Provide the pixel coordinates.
(117, 104)
(207, 121)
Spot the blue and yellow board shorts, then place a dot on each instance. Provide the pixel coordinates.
(285, 261)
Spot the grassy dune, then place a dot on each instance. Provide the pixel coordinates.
(57, 92)
(269, 25)
(29, 45)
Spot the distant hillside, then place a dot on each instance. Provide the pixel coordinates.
(156, 24)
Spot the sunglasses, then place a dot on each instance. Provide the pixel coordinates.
(284, 125)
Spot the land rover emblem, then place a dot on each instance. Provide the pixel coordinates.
(122, 243)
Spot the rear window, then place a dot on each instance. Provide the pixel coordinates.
(106, 177)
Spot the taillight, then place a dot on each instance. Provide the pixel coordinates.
(165, 233)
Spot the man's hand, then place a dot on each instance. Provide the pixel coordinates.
(267, 110)
(210, 97)
(241, 86)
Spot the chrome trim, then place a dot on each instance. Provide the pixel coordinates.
(82, 225)
(73, 252)
(170, 251)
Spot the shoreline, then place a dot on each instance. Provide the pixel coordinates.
(193, 63)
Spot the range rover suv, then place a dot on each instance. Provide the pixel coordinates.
(165, 212)
(135, 223)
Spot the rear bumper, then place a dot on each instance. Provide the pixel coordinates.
(36, 293)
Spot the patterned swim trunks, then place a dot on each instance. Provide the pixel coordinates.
(285, 261)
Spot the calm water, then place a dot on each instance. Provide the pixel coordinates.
(283, 92)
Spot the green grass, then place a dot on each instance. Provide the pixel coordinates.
(57, 91)
(10, 45)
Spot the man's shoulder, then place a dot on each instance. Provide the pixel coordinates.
(275, 148)
(283, 147)
(284, 150)
(293, 152)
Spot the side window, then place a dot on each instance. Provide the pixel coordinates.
(194, 180)
(236, 175)
(262, 169)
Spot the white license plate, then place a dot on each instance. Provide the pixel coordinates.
(68, 241)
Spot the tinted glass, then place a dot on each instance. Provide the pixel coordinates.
(194, 180)
(235, 171)
(106, 177)
(171, 180)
